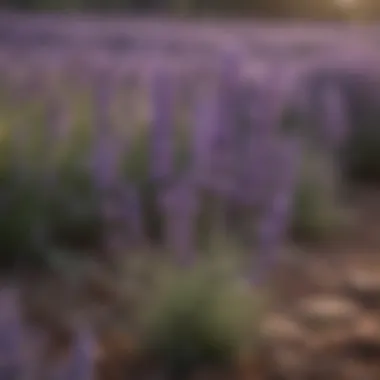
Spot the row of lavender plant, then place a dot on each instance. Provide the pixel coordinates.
(68, 144)
(236, 147)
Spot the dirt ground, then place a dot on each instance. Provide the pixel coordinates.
(327, 319)
(324, 323)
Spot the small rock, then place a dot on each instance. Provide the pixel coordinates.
(329, 341)
(325, 277)
(325, 311)
(365, 338)
(368, 328)
(288, 362)
(365, 287)
(281, 329)
(354, 370)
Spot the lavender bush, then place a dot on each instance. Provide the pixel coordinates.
(70, 184)
(200, 319)
(186, 157)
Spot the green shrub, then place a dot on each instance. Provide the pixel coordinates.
(200, 318)
(34, 217)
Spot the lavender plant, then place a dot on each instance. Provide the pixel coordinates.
(11, 335)
(214, 146)
(135, 187)
(275, 222)
(80, 363)
(106, 158)
(162, 134)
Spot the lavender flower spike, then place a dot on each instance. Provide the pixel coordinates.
(105, 153)
(224, 141)
(11, 336)
(276, 219)
(162, 136)
(335, 123)
(180, 207)
(80, 365)
(205, 129)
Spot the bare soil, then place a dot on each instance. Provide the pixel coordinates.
(324, 323)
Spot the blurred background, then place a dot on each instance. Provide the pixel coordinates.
(189, 189)
(273, 9)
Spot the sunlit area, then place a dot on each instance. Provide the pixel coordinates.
(189, 190)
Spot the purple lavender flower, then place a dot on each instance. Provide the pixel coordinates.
(58, 114)
(106, 146)
(11, 335)
(255, 174)
(80, 365)
(228, 88)
(275, 221)
(179, 205)
(106, 154)
(162, 134)
(205, 129)
(272, 96)
(223, 148)
(335, 123)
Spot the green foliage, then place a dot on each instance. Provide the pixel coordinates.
(363, 154)
(36, 217)
(317, 212)
(136, 164)
(69, 211)
(136, 168)
(201, 317)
